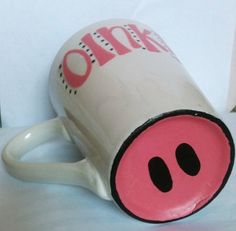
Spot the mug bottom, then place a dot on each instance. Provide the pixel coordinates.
(172, 166)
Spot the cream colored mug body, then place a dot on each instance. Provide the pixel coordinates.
(148, 135)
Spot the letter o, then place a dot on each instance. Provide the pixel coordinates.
(73, 79)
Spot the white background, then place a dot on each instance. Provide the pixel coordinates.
(31, 32)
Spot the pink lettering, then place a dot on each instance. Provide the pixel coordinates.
(118, 46)
(102, 55)
(147, 40)
(73, 79)
(166, 46)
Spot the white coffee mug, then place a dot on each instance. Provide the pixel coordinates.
(150, 140)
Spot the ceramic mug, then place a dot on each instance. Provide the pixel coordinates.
(151, 141)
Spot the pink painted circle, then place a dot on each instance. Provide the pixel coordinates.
(173, 167)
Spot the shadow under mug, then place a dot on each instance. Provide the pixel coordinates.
(151, 141)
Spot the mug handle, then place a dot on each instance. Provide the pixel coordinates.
(81, 173)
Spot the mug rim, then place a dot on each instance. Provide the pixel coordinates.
(151, 122)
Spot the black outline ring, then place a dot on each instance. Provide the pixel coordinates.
(149, 123)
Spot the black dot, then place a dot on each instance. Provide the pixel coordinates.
(187, 159)
(60, 74)
(98, 36)
(63, 81)
(83, 46)
(106, 44)
(111, 49)
(131, 32)
(91, 55)
(93, 61)
(134, 36)
(80, 43)
(75, 92)
(60, 66)
(144, 48)
(160, 174)
(70, 91)
(102, 40)
(66, 87)
(95, 33)
(129, 29)
(87, 50)
(138, 40)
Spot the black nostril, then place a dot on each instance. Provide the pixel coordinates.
(160, 174)
(187, 159)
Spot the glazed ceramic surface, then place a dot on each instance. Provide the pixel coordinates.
(151, 141)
